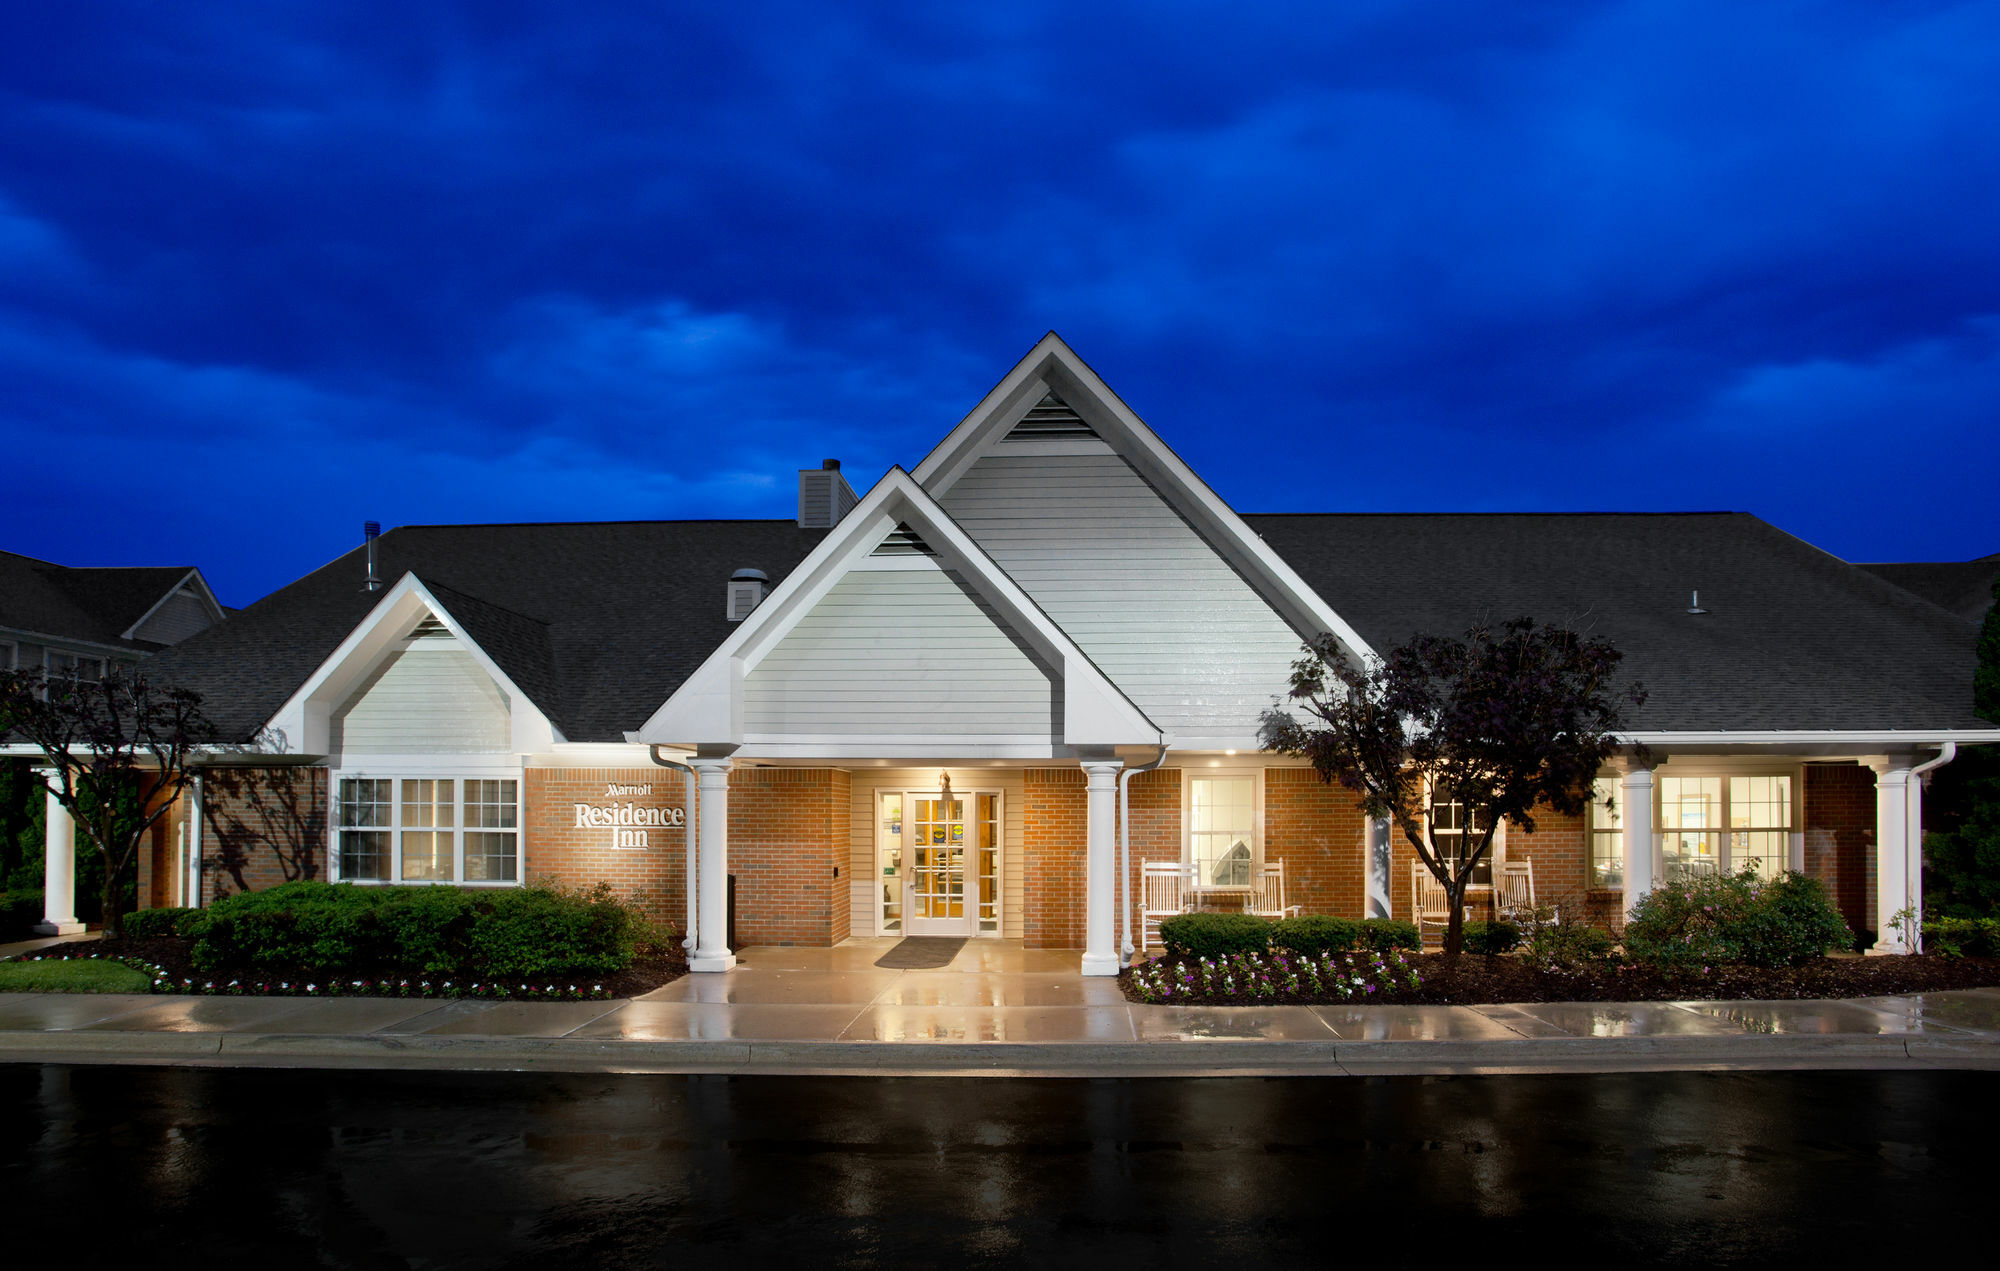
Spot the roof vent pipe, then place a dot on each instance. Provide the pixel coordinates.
(371, 530)
(1694, 603)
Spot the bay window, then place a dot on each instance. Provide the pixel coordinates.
(428, 830)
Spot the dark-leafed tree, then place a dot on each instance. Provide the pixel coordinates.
(1459, 733)
(119, 748)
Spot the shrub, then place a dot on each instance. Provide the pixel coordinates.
(1560, 940)
(338, 929)
(1384, 934)
(1316, 933)
(1492, 937)
(144, 924)
(1723, 918)
(1209, 935)
(1963, 937)
(20, 910)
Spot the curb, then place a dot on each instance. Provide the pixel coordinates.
(1171, 1058)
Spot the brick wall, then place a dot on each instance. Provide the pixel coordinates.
(788, 847)
(554, 846)
(1053, 837)
(262, 827)
(1322, 838)
(1840, 837)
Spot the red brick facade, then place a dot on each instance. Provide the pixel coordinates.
(788, 847)
(262, 827)
(653, 869)
(1840, 837)
(1053, 835)
(1322, 837)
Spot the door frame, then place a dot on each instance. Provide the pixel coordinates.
(905, 877)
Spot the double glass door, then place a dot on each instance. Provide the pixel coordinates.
(939, 862)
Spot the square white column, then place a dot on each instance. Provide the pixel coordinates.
(711, 943)
(1893, 852)
(1100, 952)
(59, 869)
(1637, 820)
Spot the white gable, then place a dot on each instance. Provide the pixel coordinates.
(1186, 609)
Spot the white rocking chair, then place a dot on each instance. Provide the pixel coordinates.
(1515, 900)
(1163, 893)
(1429, 903)
(1268, 900)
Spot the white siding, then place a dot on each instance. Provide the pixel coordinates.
(424, 701)
(1131, 582)
(176, 620)
(862, 868)
(899, 652)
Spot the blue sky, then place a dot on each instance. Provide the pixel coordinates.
(268, 270)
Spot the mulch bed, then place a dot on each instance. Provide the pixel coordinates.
(651, 969)
(1478, 980)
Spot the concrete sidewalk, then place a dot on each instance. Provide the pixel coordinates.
(997, 1008)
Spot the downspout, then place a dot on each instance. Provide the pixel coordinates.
(694, 821)
(1913, 859)
(1125, 949)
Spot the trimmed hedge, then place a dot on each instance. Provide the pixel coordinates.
(1384, 934)
(1727, 918)
(1214, 935)
(1316, 933)
(144, 924)
(1963, 937)
(1492, 937)
(338, 929)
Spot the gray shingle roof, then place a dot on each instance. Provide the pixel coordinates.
(1793, 638)
(598, 623)
(97, 604)
(1963, 587)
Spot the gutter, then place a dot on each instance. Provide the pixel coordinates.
(694, 822)
(1913, 859)
(1125, 851)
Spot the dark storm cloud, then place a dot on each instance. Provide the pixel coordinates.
(264, 273)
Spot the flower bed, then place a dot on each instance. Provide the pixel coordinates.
(1431, 979)
(1278, 975)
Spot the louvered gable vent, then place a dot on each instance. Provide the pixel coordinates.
(431, 629)
(902, 541)
(1051, 419)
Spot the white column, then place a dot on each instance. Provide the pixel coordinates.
(59, 870)
(1100, 951)
(711, 942)
(1378, 867)
(1892, 851)
(197, 809)
(1637, 819)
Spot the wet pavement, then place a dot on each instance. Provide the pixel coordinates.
(169, 1167)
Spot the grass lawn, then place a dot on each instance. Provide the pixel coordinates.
(79, 976)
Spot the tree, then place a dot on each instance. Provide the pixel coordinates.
(119, 749)
(1962, 854)
(1498, 723)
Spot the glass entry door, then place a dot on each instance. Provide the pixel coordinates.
(939, 862)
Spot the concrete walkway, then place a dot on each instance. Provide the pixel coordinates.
(998, 1008)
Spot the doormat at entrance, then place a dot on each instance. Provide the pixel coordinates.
(921, 953)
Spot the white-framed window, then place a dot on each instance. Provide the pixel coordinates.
(72, 666)
(1607, 833)
(1452, 825)
(1223, 816)
(426, 829)
(1712, 823)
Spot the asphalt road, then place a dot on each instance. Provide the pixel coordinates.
(149, 1167)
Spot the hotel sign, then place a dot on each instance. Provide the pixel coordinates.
(629, 822)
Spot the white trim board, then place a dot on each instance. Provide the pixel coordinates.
(707, 709)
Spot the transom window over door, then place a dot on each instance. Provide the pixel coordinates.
(427, 830)
(1222, 833)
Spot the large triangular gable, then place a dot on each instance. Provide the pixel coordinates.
(1019, 406)
(303, 725)
(896, 549)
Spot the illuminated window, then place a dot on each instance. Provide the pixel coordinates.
(1221, 818)
(1607, 833)
(428, 830)
(1726, 824)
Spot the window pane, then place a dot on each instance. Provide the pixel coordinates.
(1223, 829)
(1760, 803)
(364, 852)
(428, 851)
(489, 856)
(489, 805)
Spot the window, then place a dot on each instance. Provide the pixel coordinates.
(1725, 824)
(1446, 834)
(73, 666)
(428, 830)
(1222, 820)
(1607, 833)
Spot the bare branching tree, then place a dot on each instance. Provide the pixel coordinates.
(100, 738)
(1458, 736)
